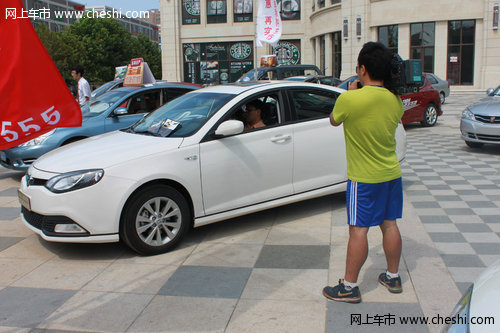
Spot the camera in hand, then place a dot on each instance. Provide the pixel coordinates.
(406, 75)
(360, 85)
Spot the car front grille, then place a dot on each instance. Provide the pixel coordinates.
(492, 138)
(47, 223)
(487, 119)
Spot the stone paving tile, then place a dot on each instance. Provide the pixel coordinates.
(28, 307)
(294, 257)
(6, 242)
(91, 311)
(185, 314)
(211, 282)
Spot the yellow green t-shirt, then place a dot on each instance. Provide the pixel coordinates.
(370, 116)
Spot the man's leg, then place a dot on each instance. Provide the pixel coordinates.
(357, 251)
(392, 248)
(392, 244)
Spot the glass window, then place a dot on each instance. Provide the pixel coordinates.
(321, 3)
(216, 11)
(144, 102)
(190, 11)
(289, 9)
(312, 103)
(337, 54)
(388, 35)
(422, 44)
(213, 63)
(461, 43)
(243, 10)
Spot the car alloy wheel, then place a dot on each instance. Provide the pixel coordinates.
(430, 116)
(155, 219)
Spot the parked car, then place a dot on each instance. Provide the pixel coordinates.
(441, 86)
(478, 311)
(116, 109)
(190, 163)
(480, 122)
(106, 87)
(280, 72)
(423, 106)
(322, 79)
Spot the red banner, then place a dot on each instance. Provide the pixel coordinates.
(34, 98)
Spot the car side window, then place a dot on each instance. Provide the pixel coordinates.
(172, 93)
(312, 104)
(432, 79)
(259, 112)
(144, 102)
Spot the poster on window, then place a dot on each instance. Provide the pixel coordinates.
(191, 52)
(287, 52)
(209, 72)
(190, 11)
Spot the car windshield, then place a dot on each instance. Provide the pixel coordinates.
(253, 75)
(191, 111)
(102, 103)
(102, 89)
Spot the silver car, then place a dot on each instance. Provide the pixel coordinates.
(440, 85)
(480, 122)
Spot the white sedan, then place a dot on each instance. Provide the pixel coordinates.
(190, 163)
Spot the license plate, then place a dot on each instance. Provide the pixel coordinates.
(24, 200)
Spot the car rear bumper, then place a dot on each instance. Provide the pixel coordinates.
(475, 131)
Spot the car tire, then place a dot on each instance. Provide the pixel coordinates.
(442, 97)
(474, 144)
(430, 115)
(155, 220)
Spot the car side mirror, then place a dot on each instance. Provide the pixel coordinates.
(229, 127)
(120, 111)
(489, 91)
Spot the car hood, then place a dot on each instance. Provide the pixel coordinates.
(103, 151)
(488, 106)
(485, 296)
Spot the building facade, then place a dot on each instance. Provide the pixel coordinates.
(47, 12)
(212, 41)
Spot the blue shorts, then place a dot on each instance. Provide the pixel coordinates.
(369, 205)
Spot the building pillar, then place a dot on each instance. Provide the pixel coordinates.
(329, 54)
(317, 51)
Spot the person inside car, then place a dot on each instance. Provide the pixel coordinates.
(252, 114)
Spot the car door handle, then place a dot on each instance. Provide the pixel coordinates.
(281, 138)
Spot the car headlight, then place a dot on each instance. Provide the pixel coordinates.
(37, 141)
(74, 180)
(461, 310)
(467, 114)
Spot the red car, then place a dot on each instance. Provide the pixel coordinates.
(423, 106)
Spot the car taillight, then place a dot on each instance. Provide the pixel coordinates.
(448, 84)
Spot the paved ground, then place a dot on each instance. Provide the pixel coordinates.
(264, 272)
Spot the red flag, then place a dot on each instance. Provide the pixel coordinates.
(34, 98)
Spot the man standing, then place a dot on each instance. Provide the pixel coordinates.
(374, 190)
(83, 92)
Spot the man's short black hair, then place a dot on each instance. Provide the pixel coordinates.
(256, 103)
(78, 69)
(376, 58)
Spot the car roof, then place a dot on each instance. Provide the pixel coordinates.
(240, 87)
(155, 85)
